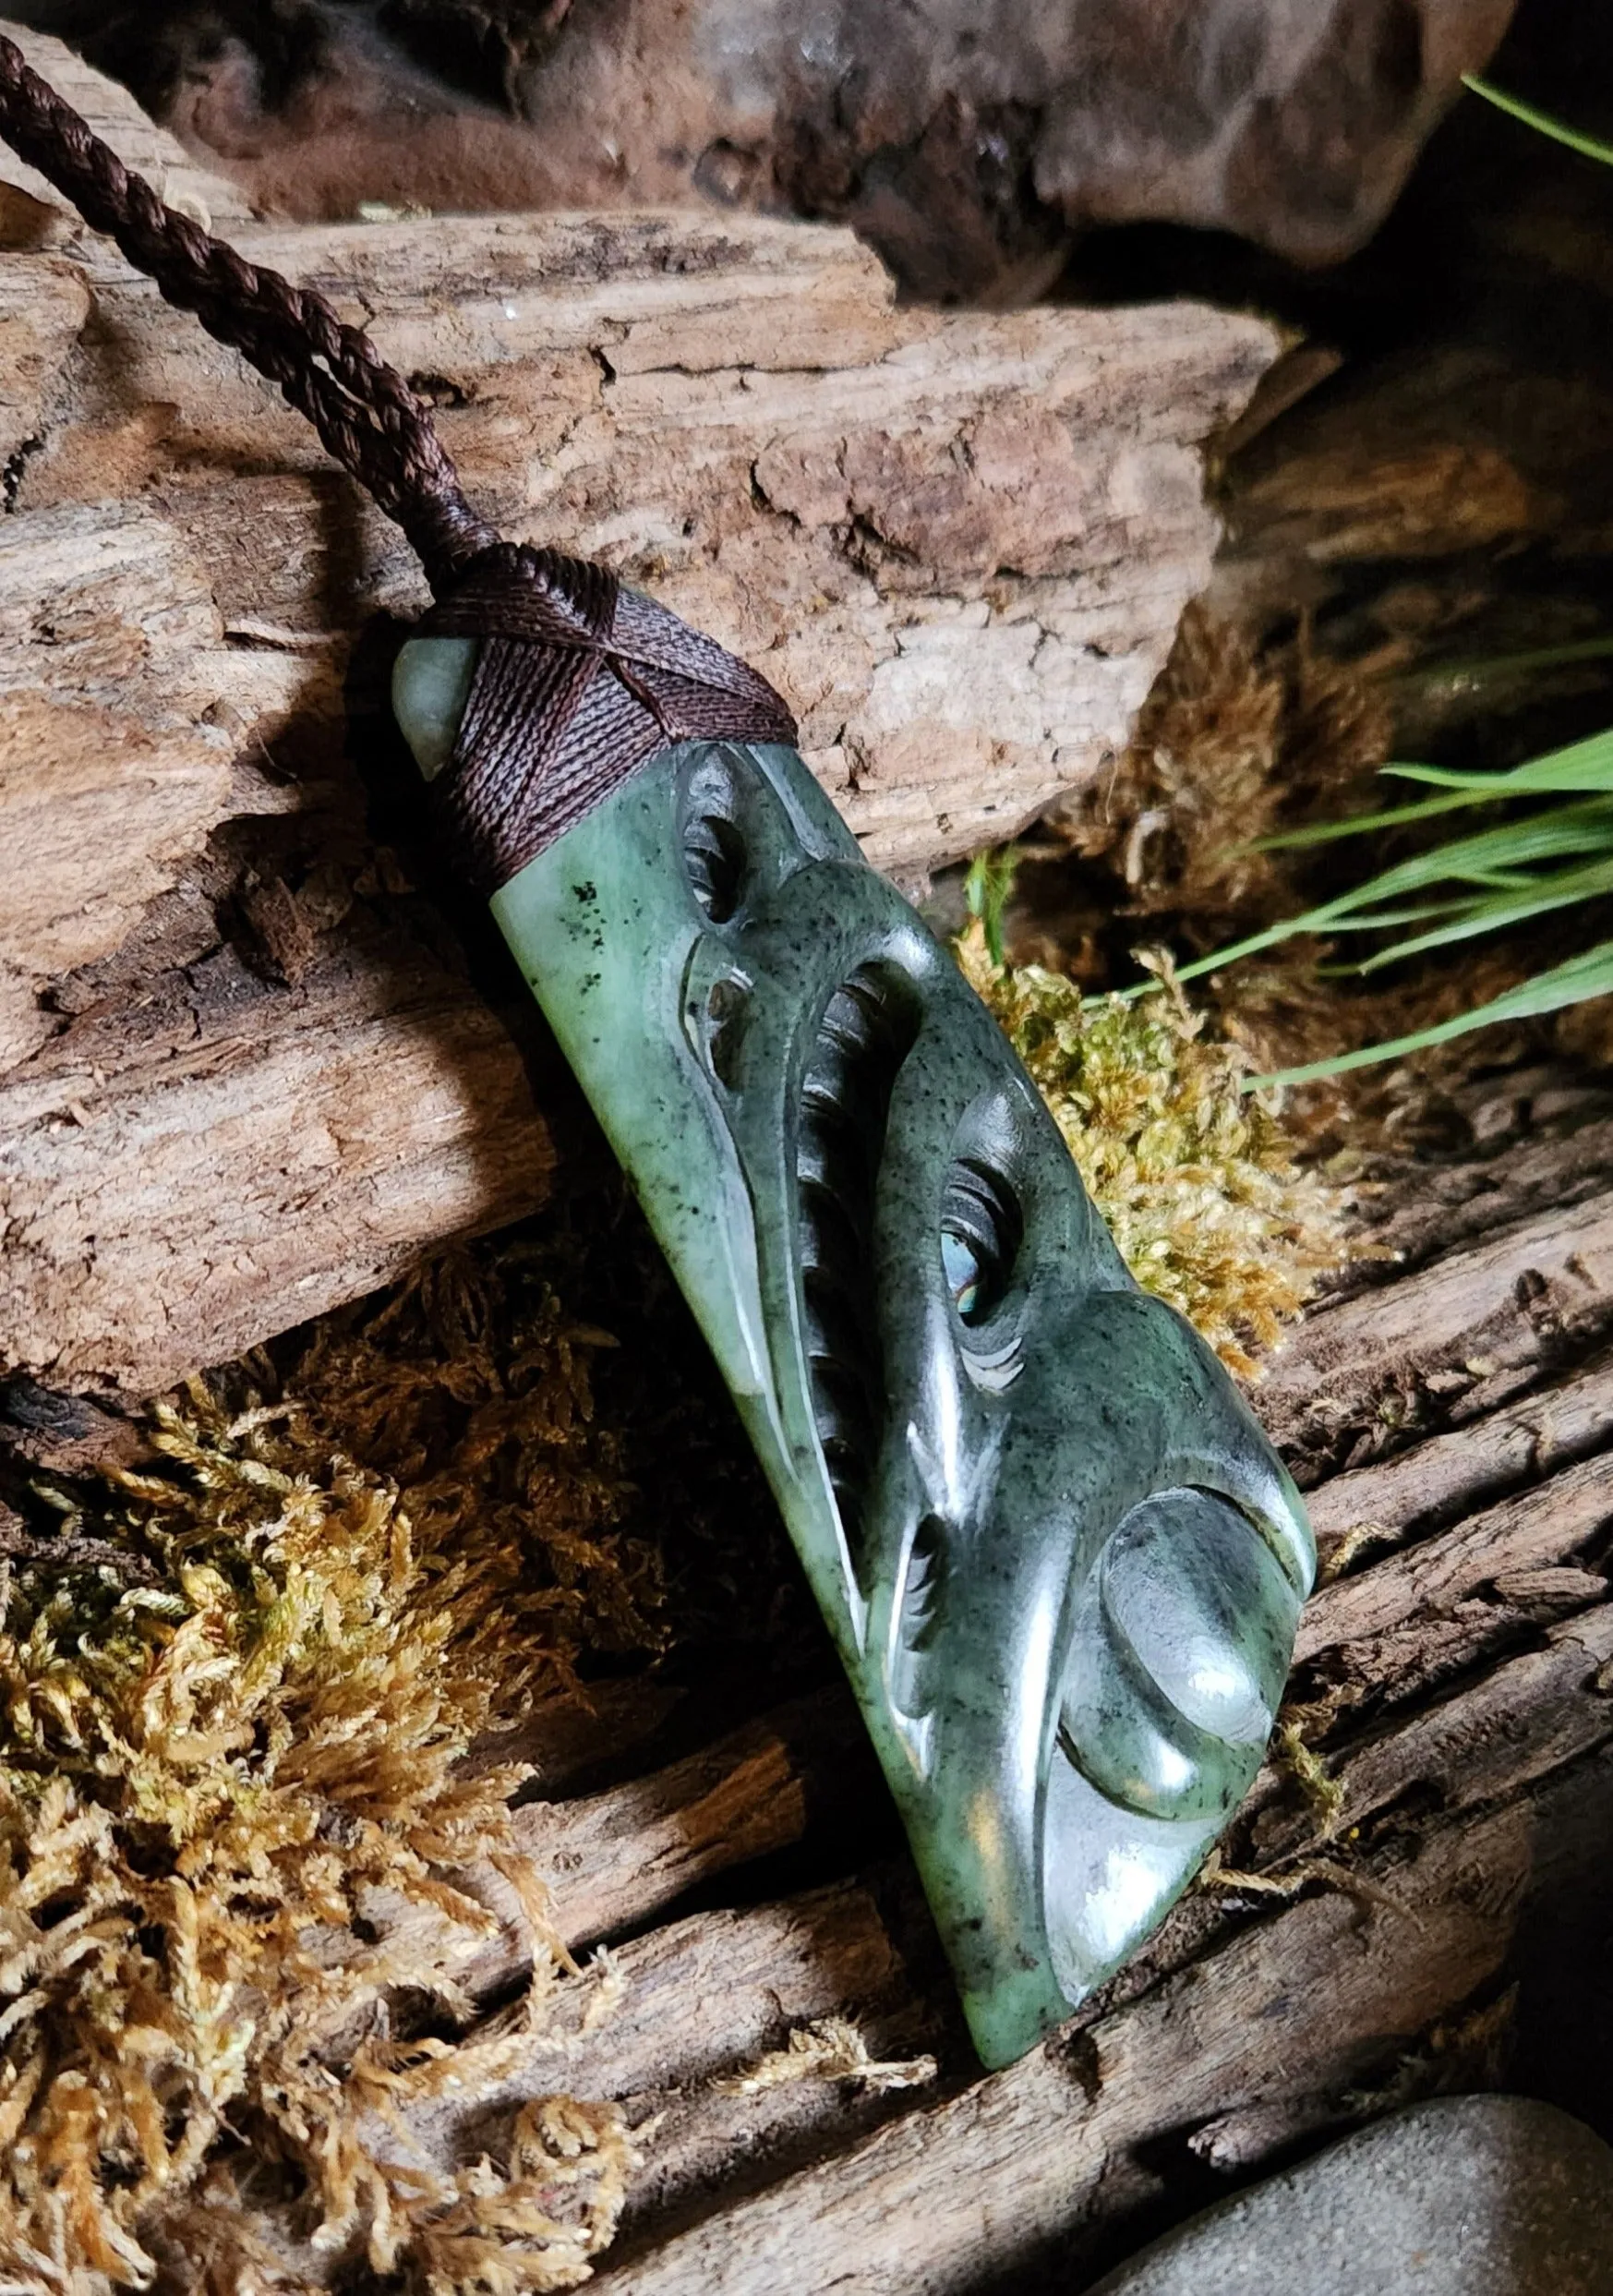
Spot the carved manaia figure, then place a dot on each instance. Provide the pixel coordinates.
(1062, 1564)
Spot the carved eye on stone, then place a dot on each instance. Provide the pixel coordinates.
(982, 1227)
(726, 1004)
(1180, 1658)
(714, 855)
(866, 1032)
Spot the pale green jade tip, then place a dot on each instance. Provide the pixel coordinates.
(1062, 1564)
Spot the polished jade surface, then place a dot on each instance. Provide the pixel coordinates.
(1062, 1564)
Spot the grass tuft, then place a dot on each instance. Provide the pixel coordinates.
(1495, 879)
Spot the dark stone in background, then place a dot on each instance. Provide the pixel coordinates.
(966, 143)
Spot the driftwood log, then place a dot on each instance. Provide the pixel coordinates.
(250, 1070)
(243, 1073)
(1412, 1899)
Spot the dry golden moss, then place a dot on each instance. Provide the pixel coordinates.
(1196, 1179)
(1230, 746)
(234, 1705)
(827, 2048)
(238, 1678)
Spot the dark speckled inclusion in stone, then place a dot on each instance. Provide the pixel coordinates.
(1062, 1564)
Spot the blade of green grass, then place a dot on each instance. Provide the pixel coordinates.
(1571, 984)
(988, 889)
(1583, 769)
(1559, 890)
(1356, 824)
(1586, 827)
(1508, 845)
(1381, 919)
(1559, 130)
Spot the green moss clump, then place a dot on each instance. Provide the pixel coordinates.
(1196, 1179)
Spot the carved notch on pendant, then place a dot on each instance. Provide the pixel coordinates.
(867, 1030)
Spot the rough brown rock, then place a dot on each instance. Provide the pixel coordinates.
(965, 144)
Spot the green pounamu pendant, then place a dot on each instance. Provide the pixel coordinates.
(1062, 1564)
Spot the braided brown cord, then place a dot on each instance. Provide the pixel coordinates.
(579, 682)
(363, 409)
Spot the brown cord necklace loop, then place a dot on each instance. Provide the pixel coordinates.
(579, 682)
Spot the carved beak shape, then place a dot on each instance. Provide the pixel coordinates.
(1060, 1563)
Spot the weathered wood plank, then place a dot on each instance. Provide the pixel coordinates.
(959, 543)
(1544, 1525)
(704, 1995)
(1339, 1930)
(1530, 1717)
(615, 1859)
(1460, 1333)
(700, 1999)
(253, 1157)
(618, 1858)
(1467, 1467)
(1050, 2154)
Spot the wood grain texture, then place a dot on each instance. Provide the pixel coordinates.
(1051, 2153)
(616, 1859)
(32, 212)
(1484, 1540)
(1537, 1527)
(244, 1074)
(1522, 1281)
(1355, 1948)
(1352, 1948)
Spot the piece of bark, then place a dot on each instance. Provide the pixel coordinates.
(1455, 1334)
(1374, 1903)
(1061, 2151)
(702, 1999)
(243, 1075)
(1448, 1204)
(1544, 1525)
(1423, 1487)
(615, 1859)
(32, 213)
(1532, 1716)
(255, 1157)
(697, 2001)
(43, 304)
(706, 1994)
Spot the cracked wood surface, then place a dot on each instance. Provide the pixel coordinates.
(1442, 1800)
(243, 1072)
(1433, 1826)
